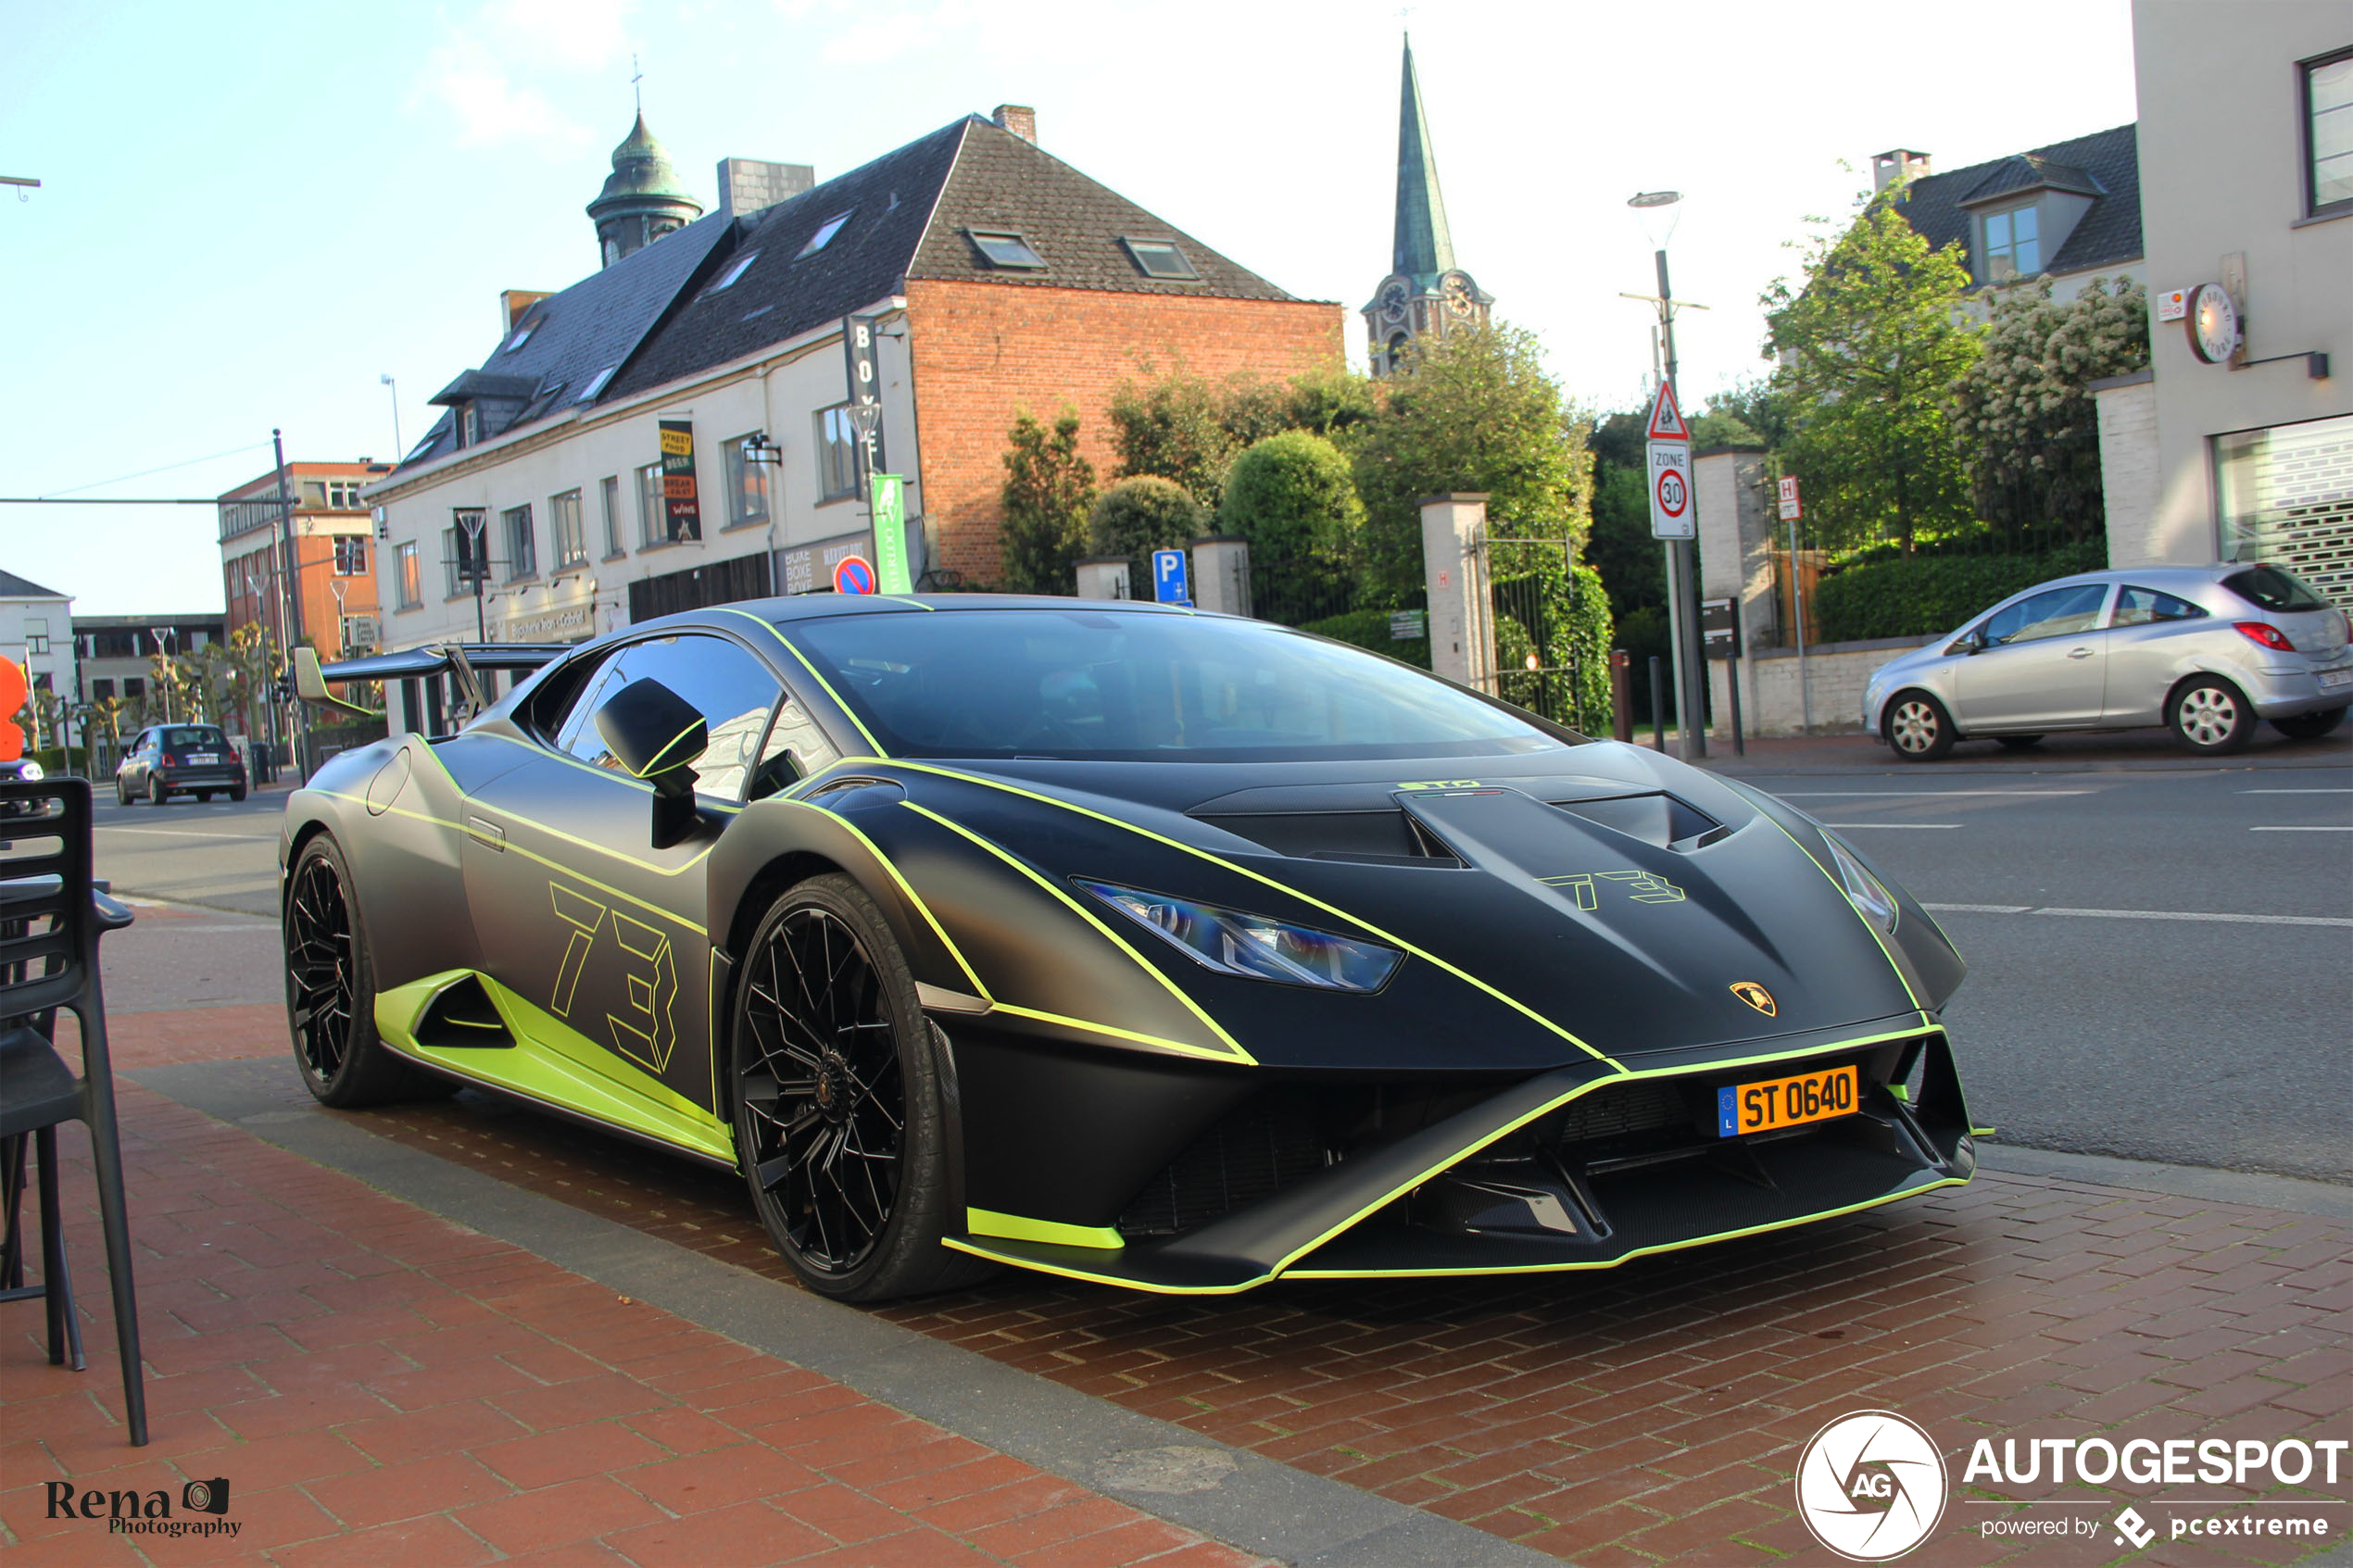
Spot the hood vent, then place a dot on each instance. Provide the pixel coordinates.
(1657, 819)
(1379, 839)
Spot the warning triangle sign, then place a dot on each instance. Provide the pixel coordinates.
(1666, 419)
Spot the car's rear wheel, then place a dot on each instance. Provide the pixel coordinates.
(2019, 742)
(236, 792)
(155, 795)
(837, 1100)
(330, 991)
(2210, 717)
(2310, 726)
(1918, 728)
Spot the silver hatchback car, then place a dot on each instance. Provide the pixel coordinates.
(2205, 650)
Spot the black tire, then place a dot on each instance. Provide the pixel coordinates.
(845, 1151)
(2210, 716)
(236, 792)
(2310, 726)
(121, 792)
(1916, 727)
(330, 991)
(156, 794)
(2019, 742)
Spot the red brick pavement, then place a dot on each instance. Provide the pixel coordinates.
(1653, 1413)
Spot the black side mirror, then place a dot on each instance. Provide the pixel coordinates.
(655, 734)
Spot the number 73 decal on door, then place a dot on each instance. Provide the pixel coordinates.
(649, 1033)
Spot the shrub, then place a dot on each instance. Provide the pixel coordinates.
(1048, 489)
(1561, 616)
(1370, 629)
(1923, 595)
(1293, 498)
(1137, 515)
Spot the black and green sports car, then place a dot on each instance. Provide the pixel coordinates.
(1169, 950)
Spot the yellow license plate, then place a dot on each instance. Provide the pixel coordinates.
(1784, 1102)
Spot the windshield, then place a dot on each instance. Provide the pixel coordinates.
(186, 735)
(1124, 686)
(2267, 587)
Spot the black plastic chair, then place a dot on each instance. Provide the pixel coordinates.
(51, 917)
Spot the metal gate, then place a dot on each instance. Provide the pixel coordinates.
(1533, 586)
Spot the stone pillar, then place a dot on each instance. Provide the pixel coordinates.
(1736, 525)
(1462, 610)
(2127, 410)
(1221, 574)
(1103, 577)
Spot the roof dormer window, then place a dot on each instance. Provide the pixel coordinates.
(1159, 258)
(519, 336)
(2013, 243)
(1009, 250)
(736, 268)
(824, 234)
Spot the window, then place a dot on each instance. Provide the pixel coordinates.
(2268, 587)
(2012, 246)
(1007, 250)
(747, 486)
(653, 521)
(522, 336)
(824, 234)
(101, 689)
(2328, 134)
(351, 555)
(2145, 607)
(2057, 612)
(736, 268)
(412, 576)
(588, 393)
(2281, 497)
(732, 691)
(36, 642)
(838, 454)
(343, 495)
(523, 546)
(572, 539)
(1159, 258)
(467, 559)
(314, 492)
(469, 426)
(608, 496)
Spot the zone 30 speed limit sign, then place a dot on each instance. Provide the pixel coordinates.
(1671, 469)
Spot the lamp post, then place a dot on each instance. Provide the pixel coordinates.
(1682, 578)
(397, 449)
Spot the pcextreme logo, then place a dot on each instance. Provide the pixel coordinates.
(1870, 1486)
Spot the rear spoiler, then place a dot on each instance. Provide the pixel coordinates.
(460, 660)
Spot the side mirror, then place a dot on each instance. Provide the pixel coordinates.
(655, 734)
(1970, 642)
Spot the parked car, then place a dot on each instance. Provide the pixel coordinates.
(168, 759)
(2204, 650)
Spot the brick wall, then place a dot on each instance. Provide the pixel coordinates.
(983, 351)
(2129, 470)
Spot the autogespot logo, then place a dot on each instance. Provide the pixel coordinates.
(1870, 1486)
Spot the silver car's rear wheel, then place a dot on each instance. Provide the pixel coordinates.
(2211, 717)
(1917, 727)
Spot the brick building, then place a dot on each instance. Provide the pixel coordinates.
(996, 277)
(335, 607)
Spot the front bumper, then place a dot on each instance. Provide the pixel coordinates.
(1575, 1169)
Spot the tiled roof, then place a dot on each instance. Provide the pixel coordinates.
(15, 587)
(2105, 166)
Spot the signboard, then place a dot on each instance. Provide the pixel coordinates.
(807, 569)
(1171, 584)
(1408, 625)
(2172, 305)
(1791, 509)
(1670, 480)
(682, 504)
(1718, 628)
(853, 575)
(890, 495)
(1666, 419)
(865, 379)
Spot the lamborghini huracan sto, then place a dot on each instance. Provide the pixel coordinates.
(1174, 951)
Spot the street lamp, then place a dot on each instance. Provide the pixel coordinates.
(397, 449)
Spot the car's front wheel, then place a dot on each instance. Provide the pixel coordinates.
(839, 1120)
(2212, 717)
(121, 791)
(2310, 726)
(330, 991)
(1918, 728)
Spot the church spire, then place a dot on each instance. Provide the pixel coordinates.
(1424, 247)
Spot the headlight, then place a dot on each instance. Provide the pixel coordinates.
(31, 773)
(1870, 894)
(1252, 946)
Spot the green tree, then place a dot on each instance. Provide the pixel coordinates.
(1472, 411)
(1048, 490)
(1137, 515)
(1338, 404)
(1872, 341)
(2023, 413)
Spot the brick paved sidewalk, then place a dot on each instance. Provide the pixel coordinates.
(378, 1385)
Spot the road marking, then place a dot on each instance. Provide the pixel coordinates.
(2302, 830)
(2316, 789)
(2140, 914)
(1908, 794)
(191, 833)
(1853, 825)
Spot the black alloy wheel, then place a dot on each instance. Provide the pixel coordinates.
(330, 991)
(838, 1101)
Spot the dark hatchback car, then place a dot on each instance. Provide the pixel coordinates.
(168, 759)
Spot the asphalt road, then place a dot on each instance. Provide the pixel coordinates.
(2159, 948)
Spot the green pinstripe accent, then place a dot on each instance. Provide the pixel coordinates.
(1234, 1052)
(1357, 920)
(550, 754)
(1889, 953)
(1115, 1033)
(1012, 1227)
(904, 886)
(903, 599)
(772, 629)
(554, 1064)
(651, 768)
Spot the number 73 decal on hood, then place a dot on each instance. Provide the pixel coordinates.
(1640, 886)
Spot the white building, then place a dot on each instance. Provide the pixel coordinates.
(36, 634)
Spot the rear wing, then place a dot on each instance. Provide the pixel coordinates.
(460, 660)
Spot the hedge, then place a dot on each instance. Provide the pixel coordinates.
(1923, 595)
(1370, 629)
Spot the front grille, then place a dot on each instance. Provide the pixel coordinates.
(1617, 1110)
(1259, 1148)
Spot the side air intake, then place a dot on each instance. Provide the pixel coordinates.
(461, 1015)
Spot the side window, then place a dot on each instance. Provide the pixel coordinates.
(796, 747)
(2142, 607)
(2060, 612)
(732, 690)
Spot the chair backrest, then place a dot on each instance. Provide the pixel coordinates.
(48, 924)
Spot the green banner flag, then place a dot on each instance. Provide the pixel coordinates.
(891, 535)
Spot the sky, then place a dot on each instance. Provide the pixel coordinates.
(251, 212)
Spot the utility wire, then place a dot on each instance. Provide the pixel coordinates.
(167, 468)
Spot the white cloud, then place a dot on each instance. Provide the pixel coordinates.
(488, 72)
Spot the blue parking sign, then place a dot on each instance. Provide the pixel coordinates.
(1170, 583)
